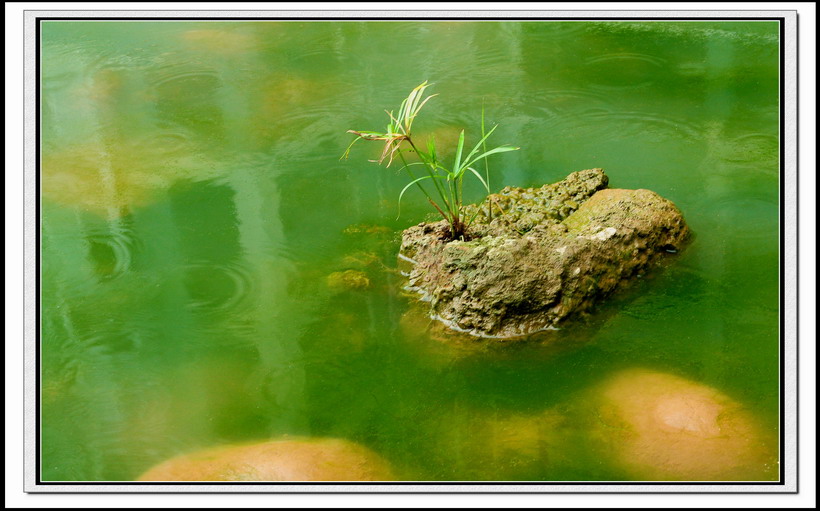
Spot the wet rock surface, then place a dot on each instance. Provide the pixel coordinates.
(541, 255)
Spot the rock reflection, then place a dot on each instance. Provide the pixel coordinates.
(276, 460)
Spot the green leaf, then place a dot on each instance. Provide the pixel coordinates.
(483, 131)
(400, 115)
(428, 98)
(431, 148)
(412, 105)
(410, 165)
(347, 151)
(459, 149)
(484, 146)
(502, 149)
(367, 135)
(479, 144)
(398, 131)
(411, 183)
(474, 171)
(407, 108)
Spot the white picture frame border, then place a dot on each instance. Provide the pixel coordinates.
(790, 193)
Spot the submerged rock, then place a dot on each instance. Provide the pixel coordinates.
(347, 280)
(361, 259)
(278, 460)
(541, 254)
(658, 426)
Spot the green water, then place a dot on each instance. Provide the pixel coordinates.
(194, 204)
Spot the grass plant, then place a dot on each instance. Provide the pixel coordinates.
(447, 181)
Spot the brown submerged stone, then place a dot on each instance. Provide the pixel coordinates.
(277, 460)
(543, 255)
(662, 427)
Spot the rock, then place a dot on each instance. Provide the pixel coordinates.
(348, 280)
(278, 460)
(553, 253)
(659, 426)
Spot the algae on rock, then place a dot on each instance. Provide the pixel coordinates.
(347, 280)
(541, 255)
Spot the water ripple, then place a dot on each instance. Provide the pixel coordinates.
(607, 125)
(217, 287)
(111, 252)
(181, 75)
(623, 70)
(493, 61)
(559, 96)
(560, 102)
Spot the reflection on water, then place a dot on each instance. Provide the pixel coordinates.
(213, 275)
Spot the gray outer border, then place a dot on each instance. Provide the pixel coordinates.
(789, 256)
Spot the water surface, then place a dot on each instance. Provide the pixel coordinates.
(193, 204)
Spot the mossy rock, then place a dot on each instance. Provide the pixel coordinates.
(552, 254)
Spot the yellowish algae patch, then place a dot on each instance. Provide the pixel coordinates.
(366, 229)
(348, 280)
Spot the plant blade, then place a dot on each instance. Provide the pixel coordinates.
(459, 149)
(502, 149)
(480, 144)
(411, 183)
(474, 171)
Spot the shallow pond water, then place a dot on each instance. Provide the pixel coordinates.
(194, 208)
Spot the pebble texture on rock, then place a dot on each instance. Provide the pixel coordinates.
(542, 254)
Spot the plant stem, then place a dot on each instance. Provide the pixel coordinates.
(486, 161)
(431, 170)
(413, 177)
